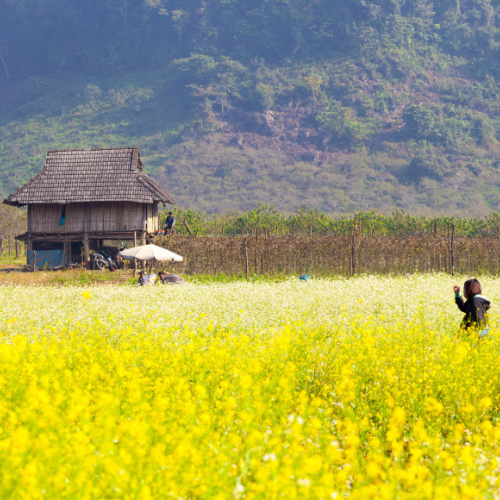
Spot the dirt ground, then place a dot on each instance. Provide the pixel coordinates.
(14, 272)
(15, 275)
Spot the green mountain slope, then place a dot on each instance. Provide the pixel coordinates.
(331, 104)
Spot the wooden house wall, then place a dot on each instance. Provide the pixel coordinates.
(89, 217)
(152, 217)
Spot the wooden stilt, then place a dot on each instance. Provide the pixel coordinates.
(135, 260)
(29, 246)
(67, 252)
(86, 250)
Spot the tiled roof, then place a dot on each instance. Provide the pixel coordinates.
(88, 175)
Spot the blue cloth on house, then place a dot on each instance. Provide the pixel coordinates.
(46, 258)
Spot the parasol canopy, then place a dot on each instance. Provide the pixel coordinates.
(150, 252)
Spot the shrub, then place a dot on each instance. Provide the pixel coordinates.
(425, 163)
(92, 92)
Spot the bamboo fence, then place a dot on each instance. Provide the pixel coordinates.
(334, 255)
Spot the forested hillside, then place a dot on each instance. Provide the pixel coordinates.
(336, 105)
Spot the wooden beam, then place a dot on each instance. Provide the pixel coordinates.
(79, 236)
(67, 251)
(86, 251)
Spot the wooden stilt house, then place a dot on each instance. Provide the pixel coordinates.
(82, 197)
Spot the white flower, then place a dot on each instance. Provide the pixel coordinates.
(238, 490)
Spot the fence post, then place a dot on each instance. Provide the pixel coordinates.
(451, 250)
(1, 245)
(188, 228)
(17, 248)
(246, 259)
(353, 256)
(34, 260)
(353, 244)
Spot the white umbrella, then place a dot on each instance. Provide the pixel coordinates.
(150, 252)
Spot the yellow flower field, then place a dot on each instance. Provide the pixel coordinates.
(328, 389)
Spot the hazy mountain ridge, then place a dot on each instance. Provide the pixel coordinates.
(326, 104)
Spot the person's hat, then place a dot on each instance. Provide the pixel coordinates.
(141, 272)
(170, 213)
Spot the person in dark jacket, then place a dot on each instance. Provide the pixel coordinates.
(142, 278)
(475, 307)
(169, 224)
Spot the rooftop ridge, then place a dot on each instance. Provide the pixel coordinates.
(91, 149)
(90, 175)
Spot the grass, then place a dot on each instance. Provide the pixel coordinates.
(225, 278)
(13, 275)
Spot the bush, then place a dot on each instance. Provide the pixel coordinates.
(423, 122)
(483, 131)
(425, 163)
(92, 92)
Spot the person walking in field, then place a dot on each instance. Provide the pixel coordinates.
(475, 307)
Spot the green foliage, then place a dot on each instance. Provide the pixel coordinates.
(344, 124)
(423, 122)
(313, 222)
(483, 131)
(92, 92)
(264, 216)
(402, 96)
(426, 163)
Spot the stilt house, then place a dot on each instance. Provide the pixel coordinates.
(82, 197)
